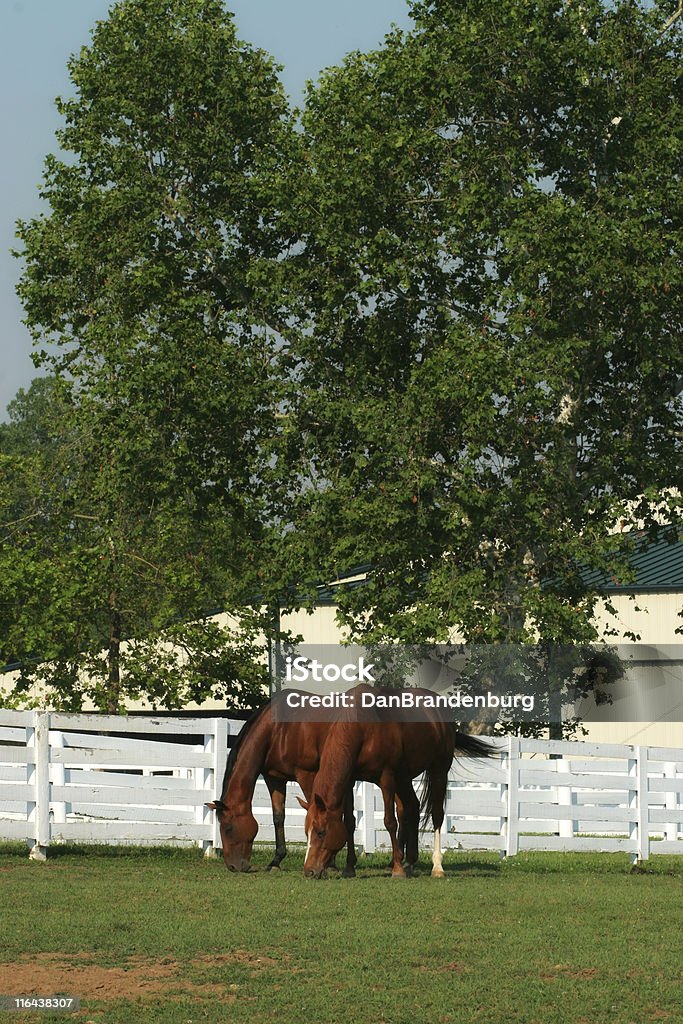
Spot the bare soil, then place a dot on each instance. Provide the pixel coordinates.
(75, 974)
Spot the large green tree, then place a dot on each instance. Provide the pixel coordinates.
(435, 330)
(150, 287)
(488, 395)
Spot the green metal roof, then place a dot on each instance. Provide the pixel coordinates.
(658, 567)
(349, 580)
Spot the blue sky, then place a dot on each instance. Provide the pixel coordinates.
(36, 39)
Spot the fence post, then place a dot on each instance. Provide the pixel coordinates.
(566, 797)
(208, 780)
(39, 778)
(671, 799)
(512, 803)
(367, 803)
(58, 778)
(638, 803)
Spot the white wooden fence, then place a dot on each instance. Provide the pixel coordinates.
(105, 779)
(78, 778)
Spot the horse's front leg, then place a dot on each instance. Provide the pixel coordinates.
(277, 789)
(388, 787)
(350, 822)
(306, 780)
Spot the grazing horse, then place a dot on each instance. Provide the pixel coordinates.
(390, 754)
(282, 752)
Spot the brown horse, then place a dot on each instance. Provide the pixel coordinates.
(390, 754)
(282, 752)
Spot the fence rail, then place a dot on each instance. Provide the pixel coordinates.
(106, 779)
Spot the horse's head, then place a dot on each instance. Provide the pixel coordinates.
(238, 831)
(325, 835)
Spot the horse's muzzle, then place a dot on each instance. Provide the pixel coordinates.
(243, 868)
(315, 872)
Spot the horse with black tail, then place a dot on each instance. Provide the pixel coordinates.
(391, 754)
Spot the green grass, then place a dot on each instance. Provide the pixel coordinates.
(539, 939)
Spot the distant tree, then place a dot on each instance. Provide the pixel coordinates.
(106, 604)
(148, 287)
(28, 441)
(31, 416)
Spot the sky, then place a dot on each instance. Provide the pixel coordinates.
(36, 39)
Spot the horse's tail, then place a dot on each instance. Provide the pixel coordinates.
(470, 746)
(427, 799)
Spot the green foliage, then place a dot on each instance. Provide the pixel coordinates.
(434, 327)
(104, 596)
(491, 381)
(145, 287)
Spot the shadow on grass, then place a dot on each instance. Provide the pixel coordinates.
(59, 851)
(473, 867)
(469, 864)
(378, 865)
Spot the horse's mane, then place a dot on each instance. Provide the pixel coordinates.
(239, 741)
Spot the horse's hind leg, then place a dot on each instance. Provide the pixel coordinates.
(388, 786)
(439, 789)
(401, 836)
(277, 789)
(408, 807)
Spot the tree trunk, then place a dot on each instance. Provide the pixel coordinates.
(113, 659)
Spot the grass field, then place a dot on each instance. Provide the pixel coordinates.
(165, 936)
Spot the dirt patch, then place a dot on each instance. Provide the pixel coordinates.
(239, 956)
(567, 971)
(78, 974)
(442, 968)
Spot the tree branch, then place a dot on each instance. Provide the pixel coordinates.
(674, 17)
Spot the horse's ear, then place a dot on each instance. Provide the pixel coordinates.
(216, 805)
(320, 803)
(303, 803)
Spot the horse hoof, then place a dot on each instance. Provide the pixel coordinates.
(439, 874)
(349, 873)
(275, 868)
(399, 874)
